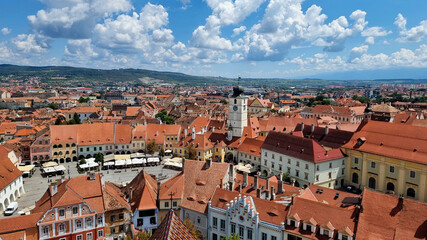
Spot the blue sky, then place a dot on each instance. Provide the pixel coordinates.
(252, 38)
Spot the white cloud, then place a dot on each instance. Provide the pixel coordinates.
(375, 32)
(74, 19)
(224, 13)
(238, 31)
(357, 52)
(414, 34)
(370, 40)
(404, 58)
(31, 43)
(285, 26)
(144, 31)
(5, 31)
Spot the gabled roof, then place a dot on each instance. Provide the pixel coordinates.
(299, 147)
(172, 228)
(251, 146)
(393, 140)
(271, 212)
(14, 224)
(200, 183)
(114, 198)
(390, 217)
(8, 171)
(316, 213)
(73, 191)
(333, 138)
(175, 185)
(144, 192)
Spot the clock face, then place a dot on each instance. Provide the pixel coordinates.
(235, 108)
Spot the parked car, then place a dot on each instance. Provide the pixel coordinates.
(13, 206)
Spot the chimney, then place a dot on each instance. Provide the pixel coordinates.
(240, 188)
(53, 188)
(400, 203)
(273, 194)
(208, 163)
(258, 193)
(267, 194)
(157, 133)
(194, 129)
(245, 179)
(203, 130)
(213, 129)
(302, 127)
(312, 128)
(280, 185)
(183, 163)
(185, 132)
(130, 194)
(91, 175)
(267, 184)
(193, 135)
(256, 178)
(326, 130)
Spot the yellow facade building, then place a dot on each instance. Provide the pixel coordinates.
(388, 157)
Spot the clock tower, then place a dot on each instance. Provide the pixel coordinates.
(237, 113)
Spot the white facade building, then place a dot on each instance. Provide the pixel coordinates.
(238, 112)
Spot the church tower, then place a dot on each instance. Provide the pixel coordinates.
(238, 112)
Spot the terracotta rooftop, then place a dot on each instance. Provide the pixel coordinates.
(298, 147)
(393, 140)
(8, 171)
(390, 217)
(172, 228)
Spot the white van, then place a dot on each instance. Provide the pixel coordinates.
(11, 208)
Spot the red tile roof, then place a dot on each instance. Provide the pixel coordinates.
(393, 140)
(298, 147)
(8, 171)
(144, 192)
(172, 228)
(200, 183)
(13, 224)
(251, 146)
(388, 217)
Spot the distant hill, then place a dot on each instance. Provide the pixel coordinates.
(61, 73)
(78, 76)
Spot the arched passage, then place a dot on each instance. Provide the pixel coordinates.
(355, 178)
(410, 192)
(390, 186)
(372, 183)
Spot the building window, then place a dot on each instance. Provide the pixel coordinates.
(121, 228)
(241, 231)
(306, 176)
(263, 236)
(317, 178)
(78, 224)
(166, 204)
(121, 216)
(113, 229)
(343, 162)
(215, 222)
(153, 221)
(100, 221)
(356, 160)
(272, 164)
(280, 158)
(88, 236)
(250, 234)
(233, 228)
(61, 213)
(222, 225)
(273, 238)
(100, 233)
(296, 173)
(174, 204)
(412, 174)
(297, 163)
(392, 169)
(89, 222)
(75, 210)
(265, 154)
(45, 231)
(272, 155)
(342, 171)
(306, 166)
(372, 164)
(140, 222)
(214, 236)
(330, 175)
(344, 237)
(112, 218)
(79, 237)
(61, 228)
